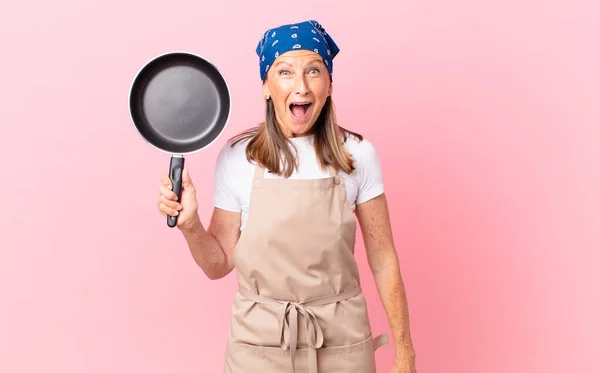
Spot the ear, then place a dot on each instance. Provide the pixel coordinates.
(330, 90)
(265, 90)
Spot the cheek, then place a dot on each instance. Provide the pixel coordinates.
(320, 88)
(280, 93)
(280, 86)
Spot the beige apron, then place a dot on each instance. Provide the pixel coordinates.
(299, 308)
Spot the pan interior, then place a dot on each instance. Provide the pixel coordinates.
(179, 103)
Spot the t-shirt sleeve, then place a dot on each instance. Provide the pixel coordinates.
(371, 179)
(224, 196)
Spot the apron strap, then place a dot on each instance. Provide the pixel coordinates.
(380, 340)
(332, 171)
(259, 172)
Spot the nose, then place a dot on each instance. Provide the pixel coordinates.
(300, 86)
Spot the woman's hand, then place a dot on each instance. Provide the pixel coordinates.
(186, 209)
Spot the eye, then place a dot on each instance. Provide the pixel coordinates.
(314, 71)
(283, 72)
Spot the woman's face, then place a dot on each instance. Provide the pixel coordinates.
(299, 84)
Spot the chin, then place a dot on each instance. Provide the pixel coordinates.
(297, 131)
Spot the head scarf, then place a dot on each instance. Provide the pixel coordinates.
(307, 35)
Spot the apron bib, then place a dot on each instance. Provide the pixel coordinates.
(300, 307)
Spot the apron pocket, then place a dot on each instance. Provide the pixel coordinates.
(247, 358)
(354, 358)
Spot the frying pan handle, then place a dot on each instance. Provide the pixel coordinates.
(175, 174)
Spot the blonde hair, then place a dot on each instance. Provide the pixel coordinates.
(270, 148)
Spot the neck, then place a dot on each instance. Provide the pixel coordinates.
(294, 135)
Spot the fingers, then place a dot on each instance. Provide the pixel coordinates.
(167, 193)
(166, 181)
(166, 206)
(166, 210)
(167, 201)
(170, 203)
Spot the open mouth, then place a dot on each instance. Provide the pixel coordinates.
(300, 110)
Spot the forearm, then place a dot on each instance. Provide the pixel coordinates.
(205, 249)
(393, 297)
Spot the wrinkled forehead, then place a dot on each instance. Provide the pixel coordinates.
(298, 58)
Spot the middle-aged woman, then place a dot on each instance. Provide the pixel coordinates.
(285, 199)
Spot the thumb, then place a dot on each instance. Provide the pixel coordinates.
(186, 180)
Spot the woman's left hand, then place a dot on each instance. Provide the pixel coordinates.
(405, 364)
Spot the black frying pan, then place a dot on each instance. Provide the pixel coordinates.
(179, 103)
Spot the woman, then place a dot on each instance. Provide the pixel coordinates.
(285, 197)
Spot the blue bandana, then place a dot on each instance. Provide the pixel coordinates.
(307, 35)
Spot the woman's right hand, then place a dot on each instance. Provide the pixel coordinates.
(186, 209)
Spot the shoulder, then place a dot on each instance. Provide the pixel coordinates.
(231, 164)
(362, 150)
(233, 155)
(367, 175)
(232, 177)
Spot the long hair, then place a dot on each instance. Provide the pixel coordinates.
(270, 148)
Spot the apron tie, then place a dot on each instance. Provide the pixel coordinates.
(288, 321)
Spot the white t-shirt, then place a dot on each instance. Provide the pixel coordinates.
(234, 174)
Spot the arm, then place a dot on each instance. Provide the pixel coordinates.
(212, 248)
(373, 217)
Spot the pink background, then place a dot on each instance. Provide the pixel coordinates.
(486, 119)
